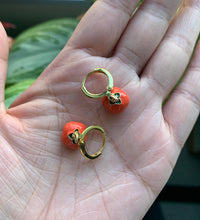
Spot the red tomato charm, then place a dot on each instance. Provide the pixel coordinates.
(119, 104)
(69, 130)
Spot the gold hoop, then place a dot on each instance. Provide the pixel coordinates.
(108, 89)
(82, 143)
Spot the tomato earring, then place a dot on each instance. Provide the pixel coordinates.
(74, 136)
(114, 99)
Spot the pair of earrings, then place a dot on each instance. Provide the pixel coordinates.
(114, 100)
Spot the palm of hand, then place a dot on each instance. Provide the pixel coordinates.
(41, 179)
(46, 174)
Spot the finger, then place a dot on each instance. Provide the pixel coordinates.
(3, 64)
(101, 27)
(145, 32)
(170, 60)
(182, 108)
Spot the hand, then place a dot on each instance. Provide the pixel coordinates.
(41, 178)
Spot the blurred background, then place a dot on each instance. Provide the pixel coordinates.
(26, 13)
(180, 199)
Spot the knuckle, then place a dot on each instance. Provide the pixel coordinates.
(188, 95)
(122, 5)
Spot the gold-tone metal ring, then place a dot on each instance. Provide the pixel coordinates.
(108, 89)
(82, 143)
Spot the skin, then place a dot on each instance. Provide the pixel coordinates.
(40, 178)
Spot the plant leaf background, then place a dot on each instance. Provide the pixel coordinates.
(32, 51)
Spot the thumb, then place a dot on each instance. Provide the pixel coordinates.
(4, 50)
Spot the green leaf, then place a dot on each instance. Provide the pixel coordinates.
(12, 92)
(36, 47)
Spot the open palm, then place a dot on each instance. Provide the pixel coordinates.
(40, 178)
